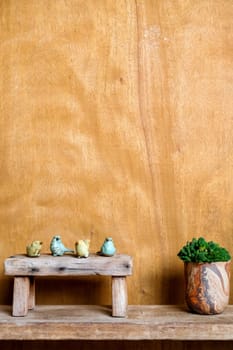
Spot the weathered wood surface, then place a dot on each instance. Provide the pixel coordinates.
(119, 296)
(95, 323)
(32, 294)
(69, 265)
(21, 295)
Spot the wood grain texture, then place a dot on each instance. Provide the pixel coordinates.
(32, 294)
(69, 265)
(21, 294)
(119, 296)
(148, 322)
(116, 119)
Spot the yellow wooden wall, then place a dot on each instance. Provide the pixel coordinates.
(116, 120)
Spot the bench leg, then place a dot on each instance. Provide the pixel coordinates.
(21, 296)
(31, 301)
(119, 297)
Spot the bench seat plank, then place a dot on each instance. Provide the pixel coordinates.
(68, 265)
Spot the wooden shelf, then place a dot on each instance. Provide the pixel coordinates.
(144, 322)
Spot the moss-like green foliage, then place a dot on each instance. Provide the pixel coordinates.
(198, 250)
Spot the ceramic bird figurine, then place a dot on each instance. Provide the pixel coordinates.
(57, 247)
(82, 248)
(33, 250)
(108, 248)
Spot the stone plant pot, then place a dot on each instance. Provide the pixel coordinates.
(207, 286)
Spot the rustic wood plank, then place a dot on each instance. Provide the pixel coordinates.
(68, 265)
(144, 322)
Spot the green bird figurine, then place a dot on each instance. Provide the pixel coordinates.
(108, 248)
(57, 247)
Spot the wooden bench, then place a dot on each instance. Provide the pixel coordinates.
(25, 269)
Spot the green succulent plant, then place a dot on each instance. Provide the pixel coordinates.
(200, 251)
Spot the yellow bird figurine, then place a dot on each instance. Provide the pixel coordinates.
(82, 248)
(33, 250)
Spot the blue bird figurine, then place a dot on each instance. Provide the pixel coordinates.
(57, 247)
(108, 248)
